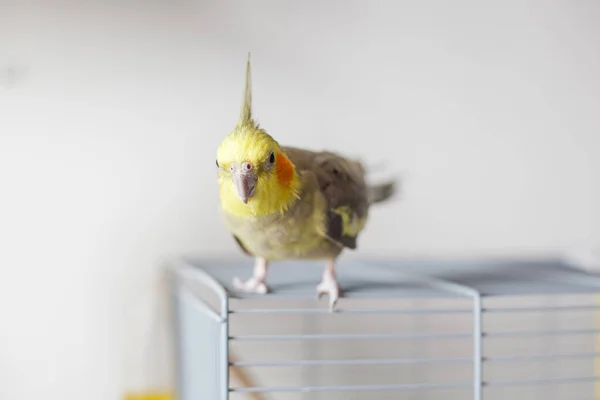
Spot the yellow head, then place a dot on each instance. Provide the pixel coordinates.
(255, 176)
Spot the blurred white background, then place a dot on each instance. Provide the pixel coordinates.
(111, 111)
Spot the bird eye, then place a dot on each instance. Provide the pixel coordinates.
(272, 158)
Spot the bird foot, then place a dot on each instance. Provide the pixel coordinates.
(330, 287)
(252, 285)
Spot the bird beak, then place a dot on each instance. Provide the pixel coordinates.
(245, 183)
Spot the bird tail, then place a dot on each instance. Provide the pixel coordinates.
(381, 192)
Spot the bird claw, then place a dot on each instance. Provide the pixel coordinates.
(252, 285)
(330, 288)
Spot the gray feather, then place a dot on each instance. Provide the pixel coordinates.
(381, 192)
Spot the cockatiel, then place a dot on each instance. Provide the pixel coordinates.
(289, 203)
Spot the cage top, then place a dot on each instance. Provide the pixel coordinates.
(406, 278)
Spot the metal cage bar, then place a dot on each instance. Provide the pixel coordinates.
(225, 349)
(355, 388)
(405, 361)
(411, 311)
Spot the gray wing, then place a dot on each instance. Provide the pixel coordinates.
(342, 182)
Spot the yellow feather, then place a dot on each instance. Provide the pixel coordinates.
(249, 143)
(352, 225)
(270, 196)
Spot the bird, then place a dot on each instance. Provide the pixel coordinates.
(284, 203)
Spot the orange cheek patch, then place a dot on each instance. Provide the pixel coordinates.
(284, 169)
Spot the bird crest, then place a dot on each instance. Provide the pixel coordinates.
(246, 112)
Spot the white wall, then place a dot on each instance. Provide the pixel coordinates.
(108, 139)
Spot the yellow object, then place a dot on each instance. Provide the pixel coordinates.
(150, 396)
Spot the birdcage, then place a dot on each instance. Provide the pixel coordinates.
(506, 328)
